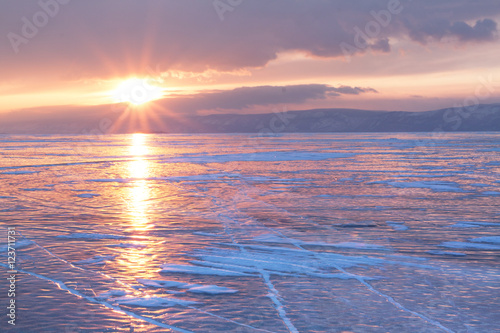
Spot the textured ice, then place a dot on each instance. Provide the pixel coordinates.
(112, 293)
(128, 246)
(466, 224)
(91, 236)
(18, 172)
(467, 245)
(211, 290)
(19, 244)
(432, 185)
(88, 195)
(152, 302)
(266, 156)
(448, 253)
(193, 288)
(97, 260)
(487, 239)
(398, 226)
(305, 244)
(36, 189)
(189, 269)
(269, 238)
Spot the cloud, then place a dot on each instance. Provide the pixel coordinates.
(483, 30)
(353, 90)
(248, 97)
(118, 37)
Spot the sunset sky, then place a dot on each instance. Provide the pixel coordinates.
(204, 56)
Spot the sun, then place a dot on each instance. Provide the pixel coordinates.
(137, 91)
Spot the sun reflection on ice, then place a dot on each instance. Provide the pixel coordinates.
(139, 192)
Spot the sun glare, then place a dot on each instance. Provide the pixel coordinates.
(137, 91)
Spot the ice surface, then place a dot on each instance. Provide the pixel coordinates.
(128, 246)
(466, 224)
(88, 195)
(309, 243)
(152, 302)
(97, 260)
(19, 244)
(269, 238)
(466, 245)
(432, 185)
(268, 156)
(211, 290)
(112, 293)
(36, 189)
(189, 269)
(19, 172)
(448, 253)
(91, 236)
(487, 239)
(398, 226)
(193, 288)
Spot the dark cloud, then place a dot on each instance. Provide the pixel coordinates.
(247, 97)
(483, 30)
(118, 37)
(352, 90)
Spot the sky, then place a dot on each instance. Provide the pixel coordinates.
(246, 56)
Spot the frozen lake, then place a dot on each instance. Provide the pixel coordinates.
(234, 233)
